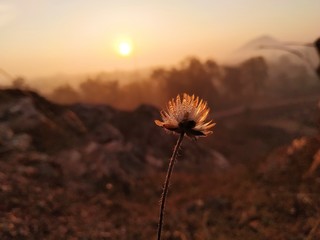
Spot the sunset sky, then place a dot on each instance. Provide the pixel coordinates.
(45, 37)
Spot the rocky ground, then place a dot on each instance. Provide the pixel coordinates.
(94, 172)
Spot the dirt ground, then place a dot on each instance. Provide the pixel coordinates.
(264, 192)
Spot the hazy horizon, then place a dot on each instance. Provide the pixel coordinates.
(44, 38)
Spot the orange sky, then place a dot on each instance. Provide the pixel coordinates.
(45, 37)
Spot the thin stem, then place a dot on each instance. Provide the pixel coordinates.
(166, 184)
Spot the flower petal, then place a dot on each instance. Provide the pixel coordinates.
(183, 110)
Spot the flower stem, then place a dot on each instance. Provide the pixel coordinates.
(166, 184)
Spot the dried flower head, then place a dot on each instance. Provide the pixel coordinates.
(186, 114)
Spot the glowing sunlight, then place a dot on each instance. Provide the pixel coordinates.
(125, 48)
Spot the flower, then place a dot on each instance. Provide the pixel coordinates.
(186, 115)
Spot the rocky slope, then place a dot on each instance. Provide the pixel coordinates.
(82, 134)
(94, 172)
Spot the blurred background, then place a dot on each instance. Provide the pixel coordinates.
(81, 83)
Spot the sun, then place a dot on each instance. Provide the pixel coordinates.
(125, 48)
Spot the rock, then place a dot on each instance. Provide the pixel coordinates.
(91, 147)
(220, 160)
(51, 126)
(105, 133)
(72, 163)
(23, 115)
(10, 141)
(21, 142)
(6, 133)
(153, 161)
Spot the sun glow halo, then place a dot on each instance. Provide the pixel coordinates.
(124, 48)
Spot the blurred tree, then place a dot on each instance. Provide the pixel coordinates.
(98, 91)
(138, 92)
(317, 46)
(253, 75)
(65, 94)
(233, 87)
(244, 82)
(19, 83)
(215, 72)
(192, 76)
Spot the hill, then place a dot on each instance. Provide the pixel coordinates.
(86, 171)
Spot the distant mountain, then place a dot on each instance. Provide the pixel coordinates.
(259, 42)
(297, 61)
(273, 49)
